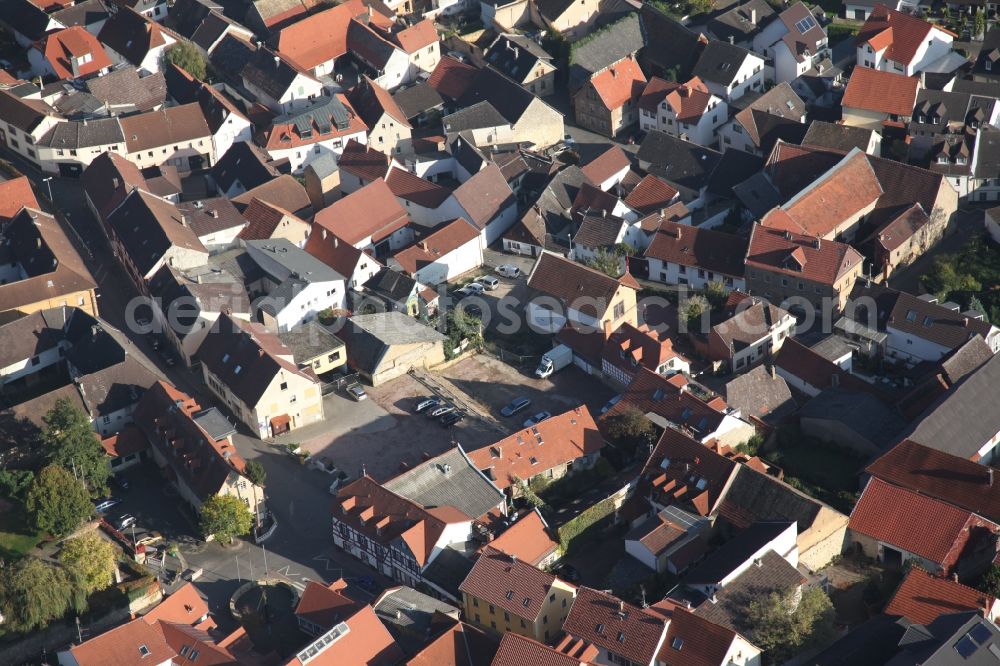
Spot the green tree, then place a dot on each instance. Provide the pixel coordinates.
(631, 430)
(782, 628)
(58, 502)
(693, 308)
(254, 471)
(609, 263)
(225, 517)
(14, 483)
(187, 57)
(752, 446)
(977, 305)
(979, 25)
(990, 582)
(90, 560)
(33, 593)
(462, 326)
(717, 294)
(69, 441)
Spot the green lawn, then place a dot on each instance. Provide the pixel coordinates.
(17, 536)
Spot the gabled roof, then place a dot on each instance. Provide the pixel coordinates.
(509, 98)
(451, 78)
(673, 400)
(362, 638)
(390, 519)
(321, 37)
(121, 646)
(371, 101)
(759, 394)
(433, 247)
(283, 191)
(605, 47)
(694, 641)
(553, 442)
(246, 358)
(169, 126)
(64, 47)
(608, 622)
(620, 83)
(324, 118)
(371, 212)
(683, 471)
(799, 255)
(710, 250)
(517, 650)
(132, 35)
(921, 598)
(325, 606)
(940, 475)
(410, 187)
(450, 479)
(885, 92)
(516, 56)
(263, 220)
(460, 645)
(900, 35)
(607, 164)
(720, 62)
(245, 163)
(735, 554)
(529, 539)
(678, 161)
(898, 517)
(508, 583)
(369, 45)
(568, 280)
(837, 136)
(338, 254)
(418, 36)
(688, 101)
(814, 369)
(148, 227)
(754, 496)
(485, 195)
(629, 347)
(16, 194)
(363, 161)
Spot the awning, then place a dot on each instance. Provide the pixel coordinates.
(280, 424)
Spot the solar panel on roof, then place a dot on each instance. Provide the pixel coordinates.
(966, 647)
(980, 633)
(805, 24)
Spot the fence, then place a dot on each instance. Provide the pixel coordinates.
(509, 357)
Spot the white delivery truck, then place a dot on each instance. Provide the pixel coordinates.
(555, 359)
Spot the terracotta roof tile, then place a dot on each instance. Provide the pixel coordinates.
(694, 641)
(263, 219)
(64, 46)
(325, 606)
(691, 246)
(171, 125)
(496, 574)
(130, 440)
(686, 459)
(284, 192)
(411, 187)
(321, 37)
(433, 247)
(367, 641)
(885, 92)
(688, 100)
(363, 161)
(619, 83)
(608, 622)
(606, 165)
(121, 647)
(528, 539)
(371, 100)
(568, 281)
(452, 78)
(417, 36)
(799, 255)
(17, 194)
(898, 517)
(921, 598)
(555, 441)
(642, 345)
(900, 34)
(183, 606)
(517, 650)
(461, 645)
(652, 194)
(937, 474)
(338, 254)
(371, 212)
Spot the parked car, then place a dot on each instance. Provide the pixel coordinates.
(149, 539)
(537, 418)
(120, 481)
(491, 282)
(472, 289)
(515, 406)
(473, 311)
(508, 271)
(102, 505)
(125, 521)
(441, 411)
(357, 392)
(427, 403)
(451, 418)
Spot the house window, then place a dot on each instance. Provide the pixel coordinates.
(619, 310)
(284, 386)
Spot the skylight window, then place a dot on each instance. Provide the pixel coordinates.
(808, 23)
(236, 371)
(677, 644)
(143, 651)
(911, 315)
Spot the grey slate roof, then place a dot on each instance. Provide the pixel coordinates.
(124, 86)
(391, 284)
(449, 479)
(83, 14)
(678, 161)
(516, 55)
(956, 639)
(479, 115)
(757, 393)
(309, 340)
(604, 48)
(417, 99)
(861, 413)
(966, 417)
(448, 570)
(838, 137)
(734, 553)
(243, 162)
(668, 44)
(84, 134)
(300, 263)
(215, 423)
(408, 615)
(368, 337)
(720, 62)
(507, 96)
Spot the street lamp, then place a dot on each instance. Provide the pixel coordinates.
(48, 183)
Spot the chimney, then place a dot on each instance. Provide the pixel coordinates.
(607, 331)
(114, 182)
(277, 61)
(336, 242)
(753, 16)
(774, 372)
(731, 39)
(816, 243)
(621, 606)
(184, 220)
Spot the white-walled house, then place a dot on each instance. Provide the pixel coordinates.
(688, 110)
(452, 250)
(298, 285)
(324, 126)
(897, 42)
(796, 42)
(681, 254)
(730, 71)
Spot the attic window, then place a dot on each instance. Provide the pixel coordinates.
(510, 594)
(236, 371)
(666, 463)
(658, 395)
(911, 315)
(677, 644)
(526, 602)
(600, 629)
(225, 358)
(534, 461)
(928, 320)
(143, 651)
(686, 414)
(701, 484)
(621, 636)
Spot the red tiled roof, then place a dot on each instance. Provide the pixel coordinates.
(461, 645)
(130, 440)
(669, 398)
(885, 92)
(528, 539)
(336, 253)
(797, 255)
(417, 36)
(619, 83)
(363, 161)
(510, 584)
(694, 641)
(120, 647)
(517, 650)
(937, 474)
(901, 35)
(411, 187)
(383, 516)
(689, 461)
(686, 245)
(800, 361)
(183, 606)
(687, 100)
(367, 641)
(532, 451)
(903, 227)
(63, 46)
(568, 280)
(608, 622)
(840, 195)
(606, 165)
(921, 598)
(372, 211)
(451, 78)
(641, 345)
(281, 136)
(325, 606)
(432, 248)
(263, 219)
(899, 518)
(650, 195)
(321, 37)
(14, 195)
